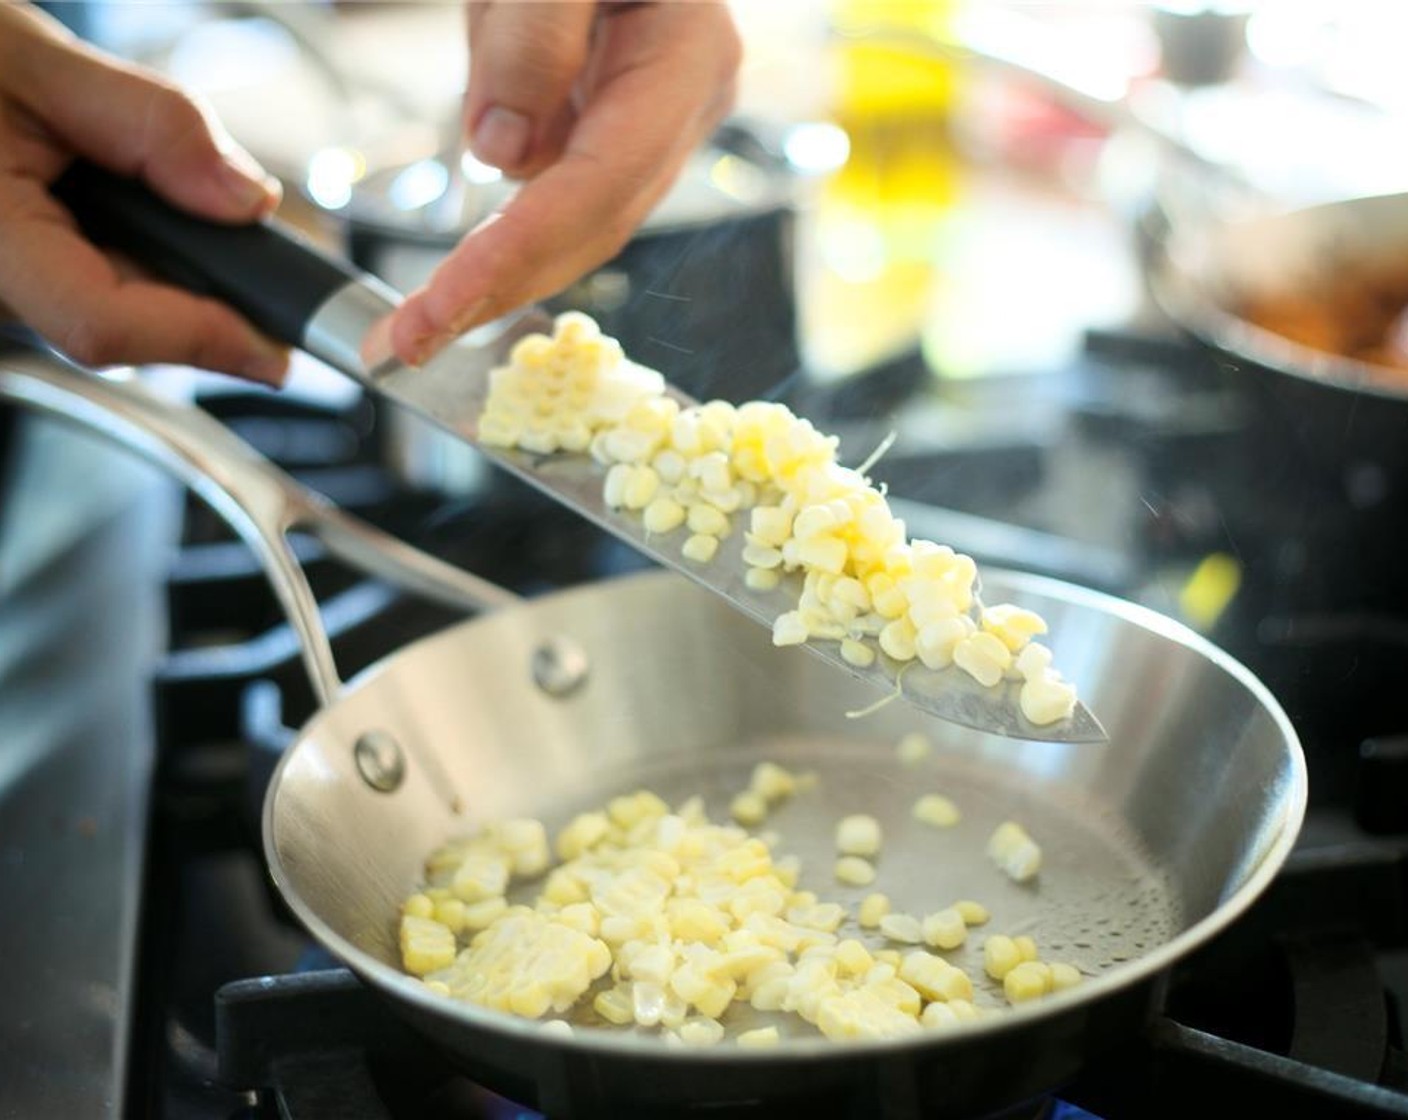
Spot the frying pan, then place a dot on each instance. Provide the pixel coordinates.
(1153, 843)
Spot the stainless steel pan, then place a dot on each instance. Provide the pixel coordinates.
(1152, 843)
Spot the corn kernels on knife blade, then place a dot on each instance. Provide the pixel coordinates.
(451, 392)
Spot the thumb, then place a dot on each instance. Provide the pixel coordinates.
(135, 123)
(524, 61)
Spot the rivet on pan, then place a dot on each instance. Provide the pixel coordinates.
(380, 761)
(560, 666)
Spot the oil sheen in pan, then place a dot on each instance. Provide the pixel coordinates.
(1099, 900)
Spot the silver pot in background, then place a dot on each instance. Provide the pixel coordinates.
(703, 292)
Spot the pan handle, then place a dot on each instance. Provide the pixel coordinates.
(260, 502)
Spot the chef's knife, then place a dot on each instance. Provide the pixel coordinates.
(305, 298)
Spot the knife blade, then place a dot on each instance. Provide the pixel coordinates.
(303, 297)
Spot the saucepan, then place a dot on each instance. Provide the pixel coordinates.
(1153, 842)
(1303, 305)
(1296, 310)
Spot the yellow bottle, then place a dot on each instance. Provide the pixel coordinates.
(881, 219)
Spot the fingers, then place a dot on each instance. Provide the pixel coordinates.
(72, 294)
(525, 59)
(661, 79)
(137, 124)
(59, 99)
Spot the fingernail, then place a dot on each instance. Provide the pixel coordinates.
(244, 180)
(268, 366)
(376, 343)
(501, 137)
(431, 344)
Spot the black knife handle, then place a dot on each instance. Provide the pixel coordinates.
(265, 270)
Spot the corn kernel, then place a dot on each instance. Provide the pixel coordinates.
(581, 916)
(937, 640)
(525, 842)
(854, 871)
(481, 915)
(770, 526)
(881, 971)
(1046, 698)
(1029, 980)
(936, 810)
(706, 520)
(902, 927)
(857, 653)
(954, 985)
(861, 1014)
(983, 657)
(898, 993)
(700, 548)
(758, 1038)
(853, 957)
(762, 579)
(694, 920)
(663, 515)
(1033, 661)
(825, 916)
(972, 913)
(788, 629)
(761, 556)
(873, 908)
(965, 1011)
(641, 487)
(748, 809)
(614, 488)
(450, 914)
(939, 1016)
(1064, 976)
(1026, 947)
(923, 971)
(699, 1031)
(530, 1000)
(426, 945)
(1013, 626)
(480, 876)
(772, 782)
(615, 1006)
(944, 929)
(858, 835)
(562, 888)
(897, 640)
(913, 748)
(1013, 850)
(1000, 956)
(419, 906)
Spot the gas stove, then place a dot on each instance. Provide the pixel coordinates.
(1127, 472)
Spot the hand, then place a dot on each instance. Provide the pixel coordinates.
(59, 99)
(597, 106)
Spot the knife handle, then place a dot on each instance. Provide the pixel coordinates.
(265, 270)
